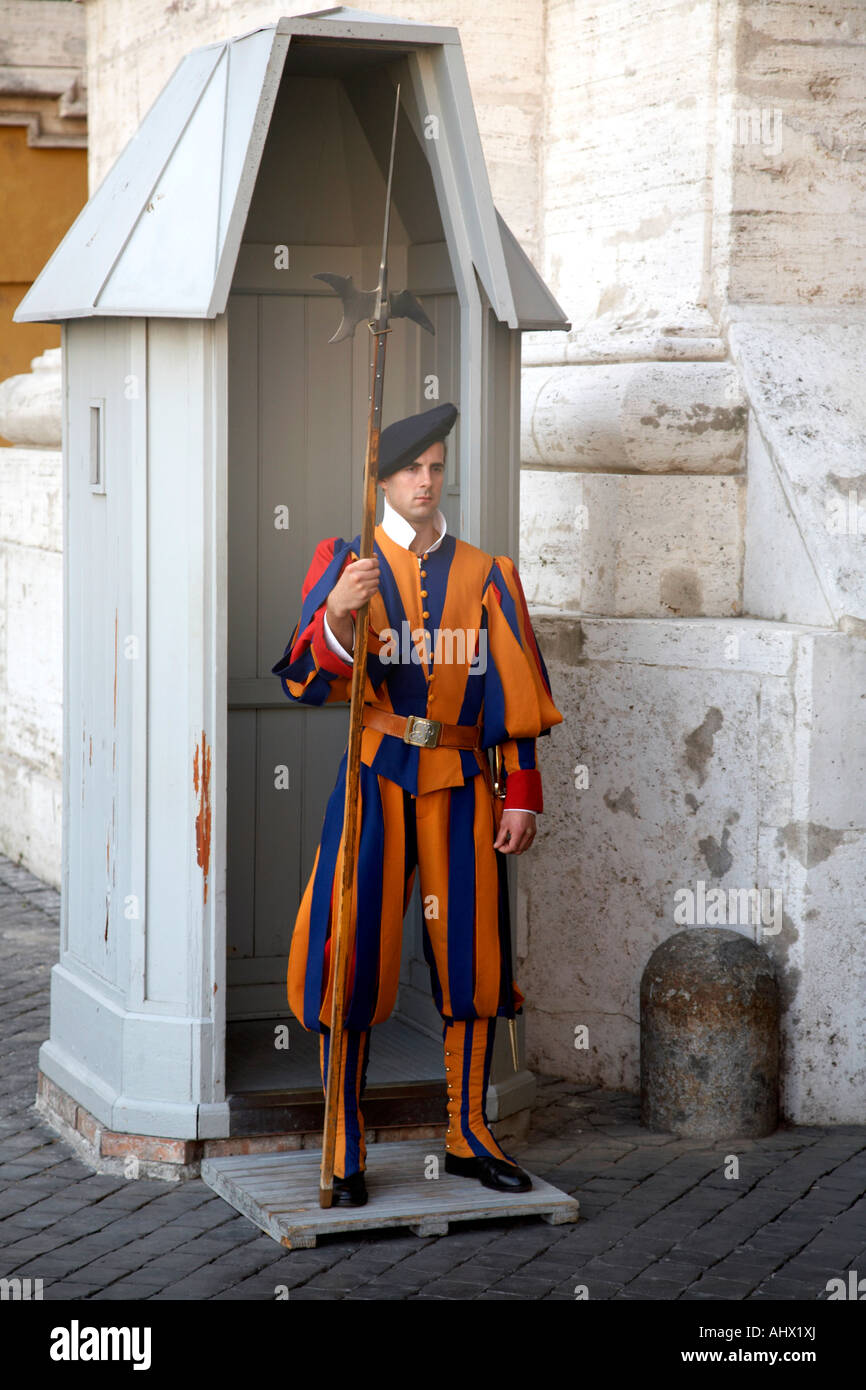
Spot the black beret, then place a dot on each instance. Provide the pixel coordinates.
(402, 442)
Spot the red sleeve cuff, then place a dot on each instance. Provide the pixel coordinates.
(523, 791)
(326, 659)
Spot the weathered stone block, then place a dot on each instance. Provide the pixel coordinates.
(650, 417)
(624, 545)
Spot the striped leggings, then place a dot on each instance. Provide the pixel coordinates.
(468, 1052)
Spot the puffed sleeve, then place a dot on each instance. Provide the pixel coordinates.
(518, 705)
(309, 670)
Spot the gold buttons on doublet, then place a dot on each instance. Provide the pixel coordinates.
(423, 572)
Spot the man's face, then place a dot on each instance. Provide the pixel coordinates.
(414, 491)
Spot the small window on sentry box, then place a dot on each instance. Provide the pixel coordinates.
(97, 445)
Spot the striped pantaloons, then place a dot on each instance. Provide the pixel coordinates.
(445, 836)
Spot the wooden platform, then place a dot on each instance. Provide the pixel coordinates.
(280, 1193)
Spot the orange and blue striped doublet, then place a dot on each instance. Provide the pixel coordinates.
(483, 667)
(429, 808)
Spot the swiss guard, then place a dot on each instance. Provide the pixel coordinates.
(453, 669)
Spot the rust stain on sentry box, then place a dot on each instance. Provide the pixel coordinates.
(201, 781)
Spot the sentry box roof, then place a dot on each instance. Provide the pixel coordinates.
(161, 234)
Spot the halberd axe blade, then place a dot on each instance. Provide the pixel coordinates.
(360, 305)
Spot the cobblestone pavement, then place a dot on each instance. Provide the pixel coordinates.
(659, 1219)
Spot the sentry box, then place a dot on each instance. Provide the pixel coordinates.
(212, 435)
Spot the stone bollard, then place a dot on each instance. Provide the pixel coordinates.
(709, 1034)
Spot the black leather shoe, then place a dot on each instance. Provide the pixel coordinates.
(490, 1172)
(350, 1191)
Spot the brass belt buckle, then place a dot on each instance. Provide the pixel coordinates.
(423, 732)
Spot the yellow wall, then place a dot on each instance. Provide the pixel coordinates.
(43, 190)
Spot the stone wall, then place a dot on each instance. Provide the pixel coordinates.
(693, 520)
(696, 154)
(696, 756)
(31, 619)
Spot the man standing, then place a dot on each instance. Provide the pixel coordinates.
(453, 669)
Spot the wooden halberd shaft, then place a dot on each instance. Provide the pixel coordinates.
(348, 856)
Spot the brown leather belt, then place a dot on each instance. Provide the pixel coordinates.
(425, 733)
